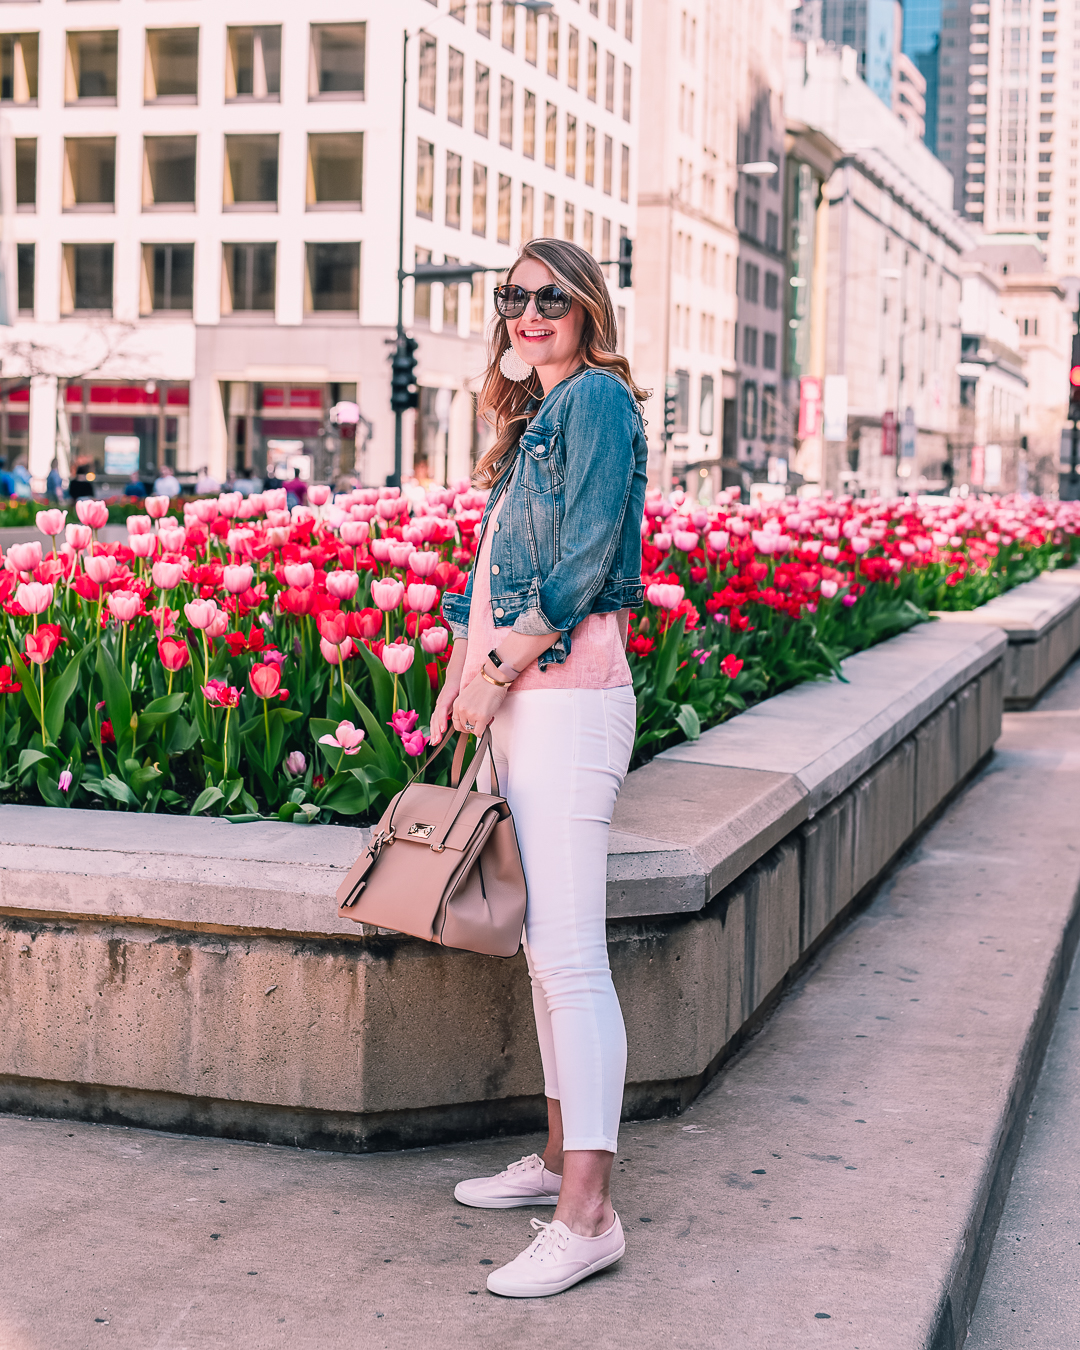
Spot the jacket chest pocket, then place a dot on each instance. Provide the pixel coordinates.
(542, 464)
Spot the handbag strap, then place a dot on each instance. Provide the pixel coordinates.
(463, 787)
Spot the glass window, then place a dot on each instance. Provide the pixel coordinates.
(628, 20)
(455, 91)
(422, 289)
(772, 290)
(169, 172)
(611, 13)
(768, 412)
(425, 179)
(479, 200)
(706, 407)
(572, 54)
(549, 215)
(568, 221)
(450, 308)
(25, 259)
(338, 52)
(624, 176)
(553, 47)
(171, 73)
(91, 67)
(571, 146)
(253, 63)
(768, 350)
(590, 78)
(18, 67)
(682, 400)
(750, 337)
(551, 131)
(335, 170)
(506, 111)
(527, 209)
(249, 277)
(609, 154)
(483, 17)
(609, 82)
(587, 231)
(590, 155)
(87, 279)
(503, 231)
(453, 190)
(481, 100)
(426, 80)
(332, 282)
(531, 41)
(168, 277)
(251, 173)
(89, 173)
(26, 173)
(627, 85)
(605, 238)
(528, 141)
(749, 410)
(509, 25)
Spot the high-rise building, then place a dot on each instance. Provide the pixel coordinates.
(710, 263)
(203, 249)
(922, 45)
(873, 29)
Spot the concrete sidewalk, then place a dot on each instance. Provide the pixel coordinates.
(831, 1189)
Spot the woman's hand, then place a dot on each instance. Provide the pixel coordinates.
(476, 706)
(440, 717)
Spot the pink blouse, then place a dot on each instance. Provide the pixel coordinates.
(597, 658)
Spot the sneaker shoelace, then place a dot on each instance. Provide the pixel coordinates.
(549, 1244)
(527, 1164)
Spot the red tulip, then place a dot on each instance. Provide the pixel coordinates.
(367, 623)
(333, 626)
(108, 736)
(174, 655)
(7, 684)
(265, 680)
(41, 645)
(731, 665)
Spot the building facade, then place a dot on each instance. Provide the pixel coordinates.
(892, 294)
(988, 450)
(710, 254)
(203, 248)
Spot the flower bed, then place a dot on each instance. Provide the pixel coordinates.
(18, 513)
(252, 661)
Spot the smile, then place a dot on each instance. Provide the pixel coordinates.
(534, 334)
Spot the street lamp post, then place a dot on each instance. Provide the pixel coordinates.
(403, 362)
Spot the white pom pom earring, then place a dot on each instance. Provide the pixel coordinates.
(513, 367)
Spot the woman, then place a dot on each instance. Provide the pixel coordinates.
(539, 655)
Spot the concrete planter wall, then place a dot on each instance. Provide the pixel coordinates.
(192, 975)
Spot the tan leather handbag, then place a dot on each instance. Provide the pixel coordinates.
(443, 865)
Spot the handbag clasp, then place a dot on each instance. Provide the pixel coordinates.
(419, 830)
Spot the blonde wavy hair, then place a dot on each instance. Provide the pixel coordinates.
(505, 403)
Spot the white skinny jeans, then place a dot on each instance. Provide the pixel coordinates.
(561, 756)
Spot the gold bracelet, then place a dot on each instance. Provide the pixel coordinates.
(499, 684)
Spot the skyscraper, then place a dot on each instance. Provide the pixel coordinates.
(872, 27)
(922, 43)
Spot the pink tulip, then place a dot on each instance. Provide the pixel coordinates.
(51, 522)
(387, 593)
(664, 595)
(860, 543)
(342, 585)
(830, 552)
(156, 507)
(34, 597)
(218, 625)
(434, 640)
(319, 494)
(414, 744)
(277, 499)
(662, 540)
(92, 513)
(200, 613)
(387, 509)
(237, 580)
(354, 532)
(908, 550)
(404, 720)
(167, 575)
(400, 553)
(362, 511)
(139, 525)
(685, 540)
(423, 563)
(397, 657)
(829, 588)
(78, 537)
(336, 654)
(718, 540)
(143, 545)
(295, 763)
(124, 605)
(380, 550)
(229, 504)
(24, 557)
(765, 541)
(300, 575)
(172, 541)
(301, 513)
(64, 781)
(421, 598)
(346, 737)
(278, 518)
(205, 512)
(101, 566)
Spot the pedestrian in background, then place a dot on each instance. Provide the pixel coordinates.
(539, 656)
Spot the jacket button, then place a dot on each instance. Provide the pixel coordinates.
(497, 527)
(495, 570)
(498, 613)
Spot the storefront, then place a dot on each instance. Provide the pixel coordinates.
(105, 419)
(281, 427)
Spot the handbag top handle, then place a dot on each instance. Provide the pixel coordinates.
(463, 786)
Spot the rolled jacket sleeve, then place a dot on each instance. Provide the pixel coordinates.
(598, 440)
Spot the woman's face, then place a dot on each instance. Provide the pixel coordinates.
(552, 345)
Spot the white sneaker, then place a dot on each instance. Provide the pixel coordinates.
(527, 1182)
(557, 1259)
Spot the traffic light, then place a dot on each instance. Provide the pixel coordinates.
(626, 262)
(671, 397)
(1074, 380)
(403, 375)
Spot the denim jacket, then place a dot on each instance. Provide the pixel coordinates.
(568, 538)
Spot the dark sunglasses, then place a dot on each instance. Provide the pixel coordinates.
(552, 302)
